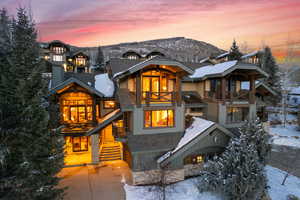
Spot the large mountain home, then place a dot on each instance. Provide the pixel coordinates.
(140, 110)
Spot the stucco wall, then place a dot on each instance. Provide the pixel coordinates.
(212, 112)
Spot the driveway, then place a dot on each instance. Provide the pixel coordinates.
(102, 182)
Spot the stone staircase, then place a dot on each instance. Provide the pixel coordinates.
(111, 151)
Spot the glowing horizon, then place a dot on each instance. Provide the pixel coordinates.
(218, 22)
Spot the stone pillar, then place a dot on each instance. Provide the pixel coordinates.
(252, 112)
(222, 113)
(95, 148)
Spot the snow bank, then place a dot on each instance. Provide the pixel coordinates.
(287, 136)
(188, 190)
(198, 126)
(278, 191)
(295, 91)
(213, 69)
(104, 85)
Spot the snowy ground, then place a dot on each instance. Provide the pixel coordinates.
(187, 189)
(288, 136)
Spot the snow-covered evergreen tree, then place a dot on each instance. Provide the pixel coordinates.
(34, 156)
(234, 52)
(239, 171)
(270, 66)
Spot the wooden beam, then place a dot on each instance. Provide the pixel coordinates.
(252, 89)
(94, 110)
(178, 89)
(223, 88)
(138, 90)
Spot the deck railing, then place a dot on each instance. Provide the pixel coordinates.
(217, 95)
(159, 97)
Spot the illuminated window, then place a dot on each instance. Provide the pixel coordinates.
(58, 50)
(46, 57)
(159, 84)
(194, 159)
(58, 58)
(236, 114)
(159, 118)
(80, 143)
(80, 61)
(77, 107)
(109, 104)
(132, 57)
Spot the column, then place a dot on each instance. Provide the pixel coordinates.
(223, 88)
(138, 90)
(95, 148)
(178, 89)
(252, 89)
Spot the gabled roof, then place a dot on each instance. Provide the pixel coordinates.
(78, 82)
(156, 60)
(200, 128)
(79, 52)
(222, 69)
(261, 84)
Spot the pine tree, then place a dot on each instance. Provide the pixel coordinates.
(239, 171)
(234, 52)
(34, 156)
(100, 60)
(269, 65)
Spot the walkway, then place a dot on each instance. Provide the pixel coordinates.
(96, 182)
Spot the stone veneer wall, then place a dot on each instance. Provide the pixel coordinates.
(193, 169)
(155, 176)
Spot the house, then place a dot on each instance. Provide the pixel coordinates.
(136, 112)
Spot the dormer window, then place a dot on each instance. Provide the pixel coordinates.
(57, 58)
(58, 50)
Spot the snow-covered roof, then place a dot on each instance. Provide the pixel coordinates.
(222, 55)
(249, 55)
(198, 126)
(295, 90)
(104, 85)
(213, 69)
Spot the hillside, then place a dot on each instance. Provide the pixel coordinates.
(180, 48)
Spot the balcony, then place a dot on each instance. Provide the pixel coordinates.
(159, 97)
(229, 96)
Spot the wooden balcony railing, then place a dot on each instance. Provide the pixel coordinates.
(160, 97)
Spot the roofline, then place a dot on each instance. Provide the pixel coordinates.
(151, 61)
(205, 133)
(79, 82)
(267, 87)
(228, 71)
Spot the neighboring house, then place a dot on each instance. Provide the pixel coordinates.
(136, 112)
(293, 98)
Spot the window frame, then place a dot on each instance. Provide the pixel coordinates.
(151, 119)
(105, 107)
(80, 139)
(244, 112)
(57, 56)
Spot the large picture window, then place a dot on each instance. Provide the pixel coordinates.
(77, 107)
(80, 143)
(80, 61)
(237, 114)
(58, 50)
(158, 118)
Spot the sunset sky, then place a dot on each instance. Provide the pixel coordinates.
(103, 22)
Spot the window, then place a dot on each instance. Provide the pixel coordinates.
(132, 57)
(58, 58)
(80, 143)
(58, 50)
(77, 107)
(236, 114)
(194, 159)
(80, 61)
(109, 104)
(158, 118)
